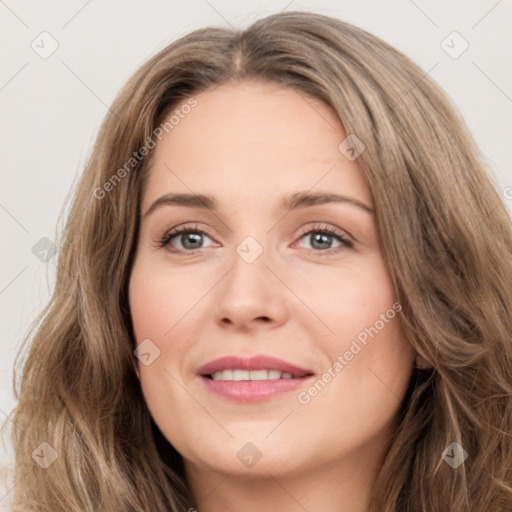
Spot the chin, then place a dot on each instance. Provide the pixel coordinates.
(248, 458)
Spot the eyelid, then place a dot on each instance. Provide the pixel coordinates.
(164, 240)
(323, 226)
(346, 240)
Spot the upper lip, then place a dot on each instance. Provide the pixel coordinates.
(260, 362)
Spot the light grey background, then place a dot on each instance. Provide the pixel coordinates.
(52, 107)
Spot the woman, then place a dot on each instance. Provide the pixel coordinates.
(248, 371)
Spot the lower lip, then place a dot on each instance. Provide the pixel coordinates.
(254, 390)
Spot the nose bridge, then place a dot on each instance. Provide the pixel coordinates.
(251, 250)
(249, 275)
(250, 289)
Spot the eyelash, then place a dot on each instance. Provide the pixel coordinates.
(170, 235)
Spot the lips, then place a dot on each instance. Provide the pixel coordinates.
(249, 382)
(260, 362)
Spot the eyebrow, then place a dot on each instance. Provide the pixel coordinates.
(292, 202)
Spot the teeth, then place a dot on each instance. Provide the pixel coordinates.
(274, 374)
(238, 375)
(258, 375)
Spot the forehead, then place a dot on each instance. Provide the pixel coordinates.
(253, 139)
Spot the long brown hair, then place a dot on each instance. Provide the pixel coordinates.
(446, 238)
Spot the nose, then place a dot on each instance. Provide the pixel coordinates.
(251, 294)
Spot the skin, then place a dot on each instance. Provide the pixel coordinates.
(249, 145)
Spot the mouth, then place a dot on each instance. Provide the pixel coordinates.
(252, 380)
(238, 375)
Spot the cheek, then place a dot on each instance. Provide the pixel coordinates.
(369, 360)
(159, 298)
(347, 300)
(158, 301)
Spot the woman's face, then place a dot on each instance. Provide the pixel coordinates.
(257, 282)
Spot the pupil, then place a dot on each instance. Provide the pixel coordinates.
(322, 239)
(191, 236)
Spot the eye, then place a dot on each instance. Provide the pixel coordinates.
(321, 238)
(190, 238)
